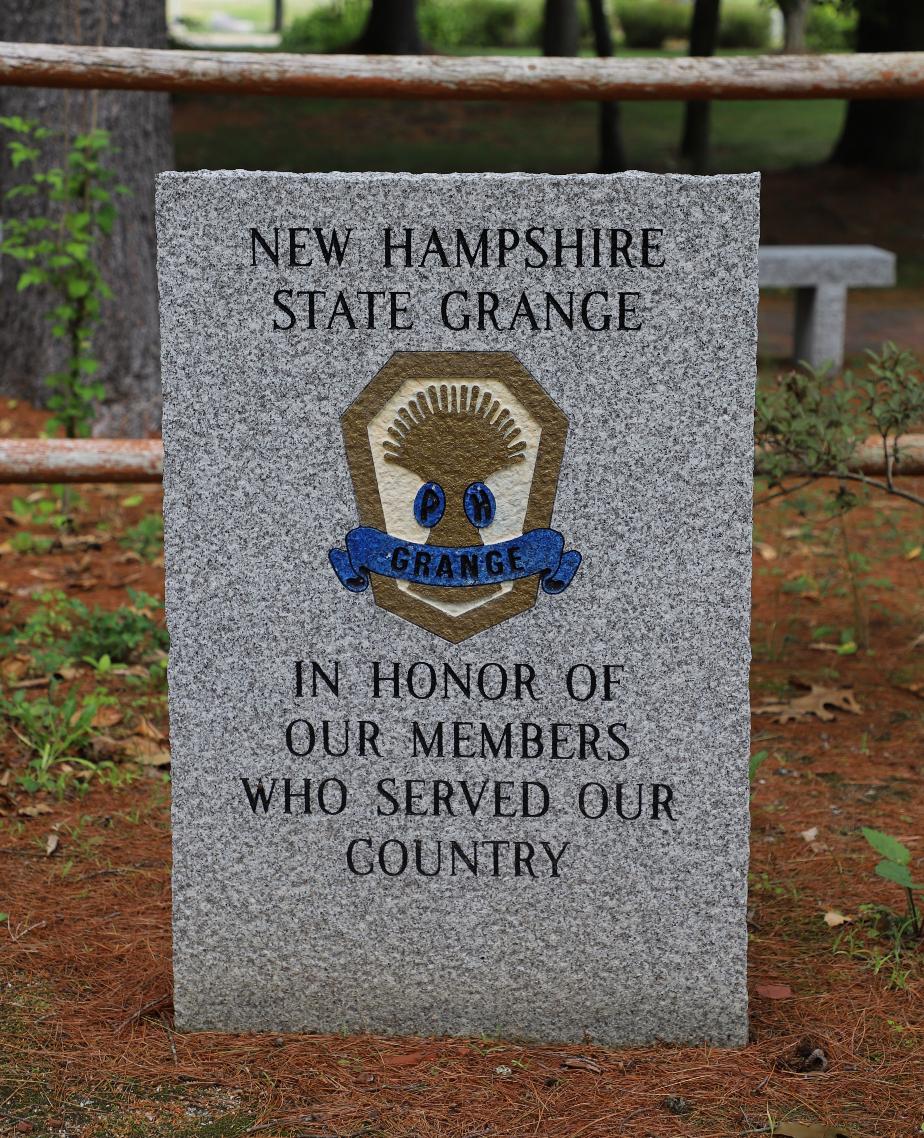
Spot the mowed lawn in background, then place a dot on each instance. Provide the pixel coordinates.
(265, 133)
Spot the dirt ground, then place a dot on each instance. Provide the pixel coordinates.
(837, 1021)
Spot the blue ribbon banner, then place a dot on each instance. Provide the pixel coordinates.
(369, 550)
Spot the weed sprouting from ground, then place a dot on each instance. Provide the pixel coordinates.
(883, 941)
(56, 731)
(63, 632)
(146, 538)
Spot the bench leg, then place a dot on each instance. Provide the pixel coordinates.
(821, 317)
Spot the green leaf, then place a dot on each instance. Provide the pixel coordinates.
(18, 124)
(900, 874)
(30, 277)
(756, 759)
(77, 288)
(887, 846)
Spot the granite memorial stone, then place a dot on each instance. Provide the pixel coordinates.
(458, 521)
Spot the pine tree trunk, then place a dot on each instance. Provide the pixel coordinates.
(561, 28)
(879, 133)
(391, 29)
(795, 14)
(704, 34)
(612, 149)
(126, 340)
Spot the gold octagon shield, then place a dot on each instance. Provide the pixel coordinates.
(474, 435)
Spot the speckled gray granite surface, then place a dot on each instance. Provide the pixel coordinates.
(638, 930)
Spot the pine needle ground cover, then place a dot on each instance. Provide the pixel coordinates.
(836, 977)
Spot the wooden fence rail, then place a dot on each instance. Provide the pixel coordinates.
(142, 460)
(893, 75)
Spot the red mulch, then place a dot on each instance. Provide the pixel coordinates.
(88, 1046)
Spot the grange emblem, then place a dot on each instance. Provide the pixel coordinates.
(455, 458)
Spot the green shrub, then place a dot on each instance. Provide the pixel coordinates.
(54, 731)
(648, 23)
(829, 29)
(744, 25)
(63, 631)
(328, 27)
(446, 25)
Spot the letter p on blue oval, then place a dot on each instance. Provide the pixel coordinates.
(455, 459)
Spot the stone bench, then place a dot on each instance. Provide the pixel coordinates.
(821, 275)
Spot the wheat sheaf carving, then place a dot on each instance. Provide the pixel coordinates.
(454, 434)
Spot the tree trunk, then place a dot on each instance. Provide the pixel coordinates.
(391, 29)
(561, 28)
(278, 16)
(126, 340)
(795, 14)
(704, 34)
(879, 133)
(612, 150)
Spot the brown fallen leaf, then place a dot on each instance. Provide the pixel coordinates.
(106, 717)
(914, 553)
(87, 584)
(136, 748)
(816, 701)
(916, 687)
(767, 552)
(14, 667)
(131, 670)
(810, 1130)
(43, 681)
(148, 730)
(82, 540)
(35, 811)
(774, 991)
(833, 919)
(51, 843)
(581, 1063)
(409, 1059)
(810, 834)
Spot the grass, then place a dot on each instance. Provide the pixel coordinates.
(301, 135)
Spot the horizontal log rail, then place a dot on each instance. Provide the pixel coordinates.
(142, 460)
(868, 75)
(81, 460)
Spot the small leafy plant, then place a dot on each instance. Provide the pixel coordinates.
(809, 426)
(51, 506)
(63, 632)
(879, 939)
(754, 764)
(58, 247)
(894, 866)
(56, 731)
(146, 537)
